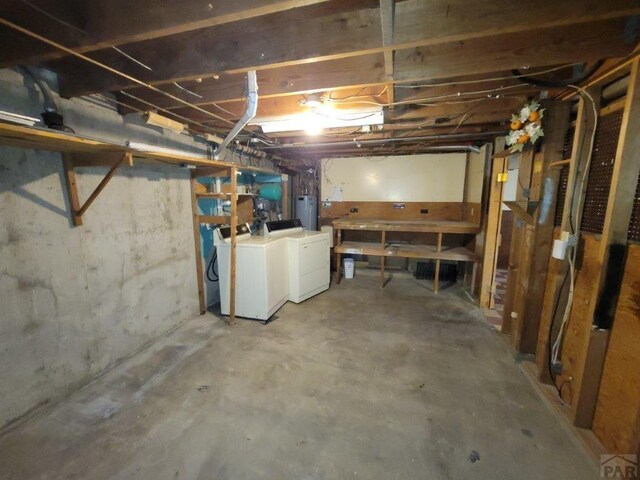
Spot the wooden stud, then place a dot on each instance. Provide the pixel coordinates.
(197, 245)
(234, 246)
(72, 189)
(619, 208)
(338, 255)
(382, 259)
(494, 213)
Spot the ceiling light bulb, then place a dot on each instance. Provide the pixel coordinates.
(313, 129)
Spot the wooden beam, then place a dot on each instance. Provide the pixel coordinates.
(234, 246)
(626, 171)
(362, 71)
(556, 123)
(106, 23)
(430, 35)
(545, 46)
(387, 16)
(320, 32)
(197, 244)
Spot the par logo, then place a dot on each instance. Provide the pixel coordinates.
(619, 466)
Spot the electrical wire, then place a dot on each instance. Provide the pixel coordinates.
(134, 60)
(108, 68)
(212, 275)
(54, 18)
(465, 82)
(556, 349)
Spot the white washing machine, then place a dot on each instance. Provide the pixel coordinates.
(262, 284)
(307, 258)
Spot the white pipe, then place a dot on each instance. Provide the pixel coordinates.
(249, 113)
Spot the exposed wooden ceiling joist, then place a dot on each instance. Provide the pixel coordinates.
(327, 31)
(108, 23)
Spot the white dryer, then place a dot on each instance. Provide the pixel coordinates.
(308, 258)
(262, 285)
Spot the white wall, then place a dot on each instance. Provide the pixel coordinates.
(475, 176)
(406, 178)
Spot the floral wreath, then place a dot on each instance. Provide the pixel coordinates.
(526, 127)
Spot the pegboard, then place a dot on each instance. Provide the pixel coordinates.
(562, 193)
(568, 143)
(600, 172)
(634, 224)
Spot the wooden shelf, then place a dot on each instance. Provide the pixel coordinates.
(424, 226)
(429, 252)
(222, 196)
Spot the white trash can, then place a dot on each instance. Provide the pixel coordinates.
(349, 266)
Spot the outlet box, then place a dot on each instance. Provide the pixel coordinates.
(424, 210)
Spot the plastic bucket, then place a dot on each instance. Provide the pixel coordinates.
(349, 266)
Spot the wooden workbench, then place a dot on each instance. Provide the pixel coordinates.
(384, 249)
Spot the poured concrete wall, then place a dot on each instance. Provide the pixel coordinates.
(74, 300)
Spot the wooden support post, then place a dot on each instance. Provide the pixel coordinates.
(197, 245)
(72, 189)
(286, 198)
(624, 180)
(234, 245)
(436, 276)
(490, 253)
(536, 250)
(383, 244)
(519, 236)
(338, 256)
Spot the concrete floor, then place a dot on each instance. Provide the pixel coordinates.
(354, 383)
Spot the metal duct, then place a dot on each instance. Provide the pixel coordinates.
(249, 113)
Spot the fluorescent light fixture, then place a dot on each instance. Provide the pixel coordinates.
(143, 147)
(315, 121)
(17, 118)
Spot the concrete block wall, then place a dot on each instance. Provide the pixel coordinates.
(75, 300)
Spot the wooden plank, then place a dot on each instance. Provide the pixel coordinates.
(426, 226)
(518, 238)
(72, 189)
(436, 275)
(105, 25)
(383, 243)
(618, 409)
(234, 246)
(492, 230)
(387, 15)
(427, 252)
(103, 183)
(520, 212)
(336, 249)
(331, 31)
(626, 171)
(387, 211)
(215, 219)
(286, 198)
(197, 246)
(556, 125)
(571, 43)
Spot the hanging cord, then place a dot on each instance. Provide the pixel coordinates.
(212, 274)
(558, 83)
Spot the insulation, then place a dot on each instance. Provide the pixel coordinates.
(634, 224)
(562, 193)
(600, 172)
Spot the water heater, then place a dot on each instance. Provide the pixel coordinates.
(307, 211)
